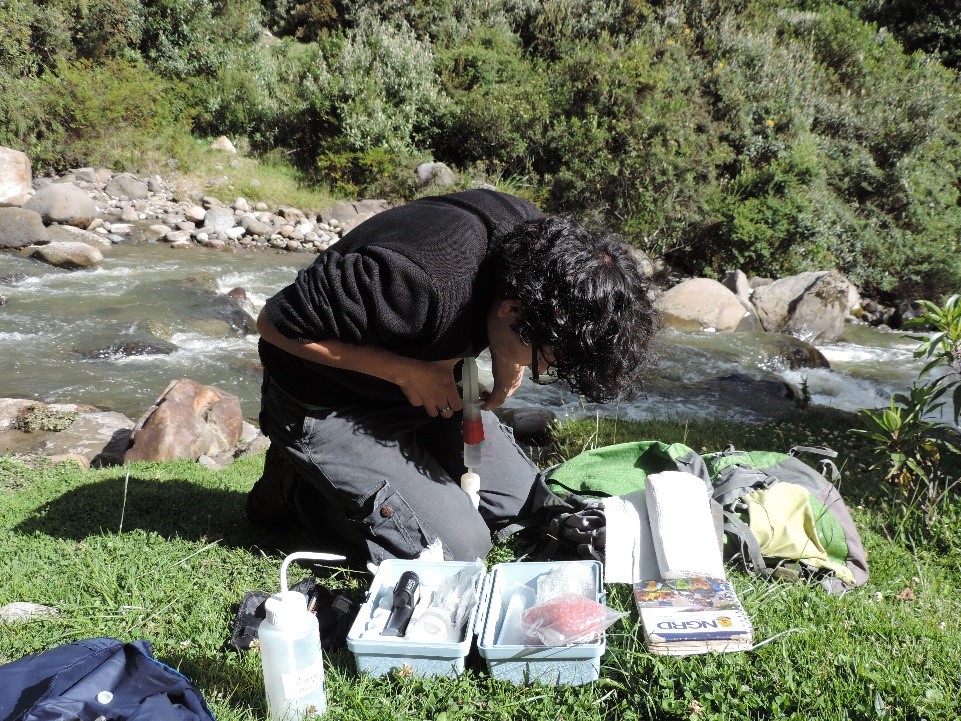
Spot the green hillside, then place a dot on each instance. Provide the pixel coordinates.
(774, 136)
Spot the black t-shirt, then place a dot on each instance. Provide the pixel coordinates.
(412, 279)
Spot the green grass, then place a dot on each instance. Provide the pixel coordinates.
(270, 178)
(167, 555)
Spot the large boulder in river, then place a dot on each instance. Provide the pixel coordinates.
(69, 254)
(16, 179)
(702, 304)
(812, 306)
(63, 203)
(20, 228)
(188, 421)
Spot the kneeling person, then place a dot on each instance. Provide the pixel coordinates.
(363, 351)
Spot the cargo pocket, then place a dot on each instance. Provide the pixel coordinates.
(390, 526)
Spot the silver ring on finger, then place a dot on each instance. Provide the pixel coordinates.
(445, 409)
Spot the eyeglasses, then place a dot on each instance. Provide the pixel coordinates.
(542, 379)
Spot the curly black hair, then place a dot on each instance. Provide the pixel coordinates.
(582, 297)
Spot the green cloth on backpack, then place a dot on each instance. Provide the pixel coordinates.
(784, 523)
(620, 469)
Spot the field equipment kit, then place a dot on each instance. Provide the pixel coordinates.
(514, 611)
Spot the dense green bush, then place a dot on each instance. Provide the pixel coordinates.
(499, 105)
(115, 113)
(378, 89)
(303, 20)
(258, 93)
(933, 26)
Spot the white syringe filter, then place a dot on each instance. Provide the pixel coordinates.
(470, 482)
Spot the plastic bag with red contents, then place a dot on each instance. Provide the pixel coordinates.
(565, 620)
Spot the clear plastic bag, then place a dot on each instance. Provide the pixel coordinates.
(567, 619)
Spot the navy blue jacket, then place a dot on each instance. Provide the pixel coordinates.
(97, 678)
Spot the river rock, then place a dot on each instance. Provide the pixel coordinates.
(644, 263)
(218, 219)
(189, 420)
(238, 310)
(128, 349)
(20, 227)
(703, 303)
(736, 282)
(433, 175)
(223, 143)
(127, 185)
(100, 439)
(812, 306)
(16, 180)
(63, 203)
(531, 426)
(71, 255)
(69, 233)
(255, 227)
(786, 351)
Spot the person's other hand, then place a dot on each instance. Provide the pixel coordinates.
(507, 379)
(431, 384)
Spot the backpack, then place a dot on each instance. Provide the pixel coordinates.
(568, 518)
(785, 519)
(97, 678)
(809, 532)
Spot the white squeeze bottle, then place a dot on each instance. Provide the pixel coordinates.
(289, 639)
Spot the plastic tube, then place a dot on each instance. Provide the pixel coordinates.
(473, 429)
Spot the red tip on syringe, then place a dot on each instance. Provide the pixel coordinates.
(473, 431)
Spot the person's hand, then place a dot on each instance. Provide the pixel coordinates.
(431, 384)
(507, 379)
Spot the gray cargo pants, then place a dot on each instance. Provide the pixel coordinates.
(385, 478)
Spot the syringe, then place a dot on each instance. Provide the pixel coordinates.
(473, 429)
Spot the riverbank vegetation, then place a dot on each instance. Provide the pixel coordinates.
(771, 135)
(166, 554)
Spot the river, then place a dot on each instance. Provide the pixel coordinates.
(65, 336)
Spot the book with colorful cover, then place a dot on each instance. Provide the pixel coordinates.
(692, 615)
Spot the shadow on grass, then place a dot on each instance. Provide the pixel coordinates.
(172, 509)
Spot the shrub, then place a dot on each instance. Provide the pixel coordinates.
(115, 114)
(35, 36)
(305, 21)
(183, 38)
(375, 172)
(918, 452)
(933, 27)
(258, 93)
(379, 90)
(631, 137)
(107, 28)
(499, 105)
